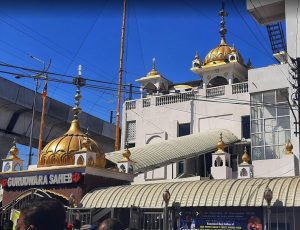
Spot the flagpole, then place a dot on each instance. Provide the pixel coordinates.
(44, 99)
(117, 141)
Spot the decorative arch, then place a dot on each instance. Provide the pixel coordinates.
(218, 81)
(150, 88)
(80, 160)
(243, 172)
(90, 162)
(218, 162)
(236, 80)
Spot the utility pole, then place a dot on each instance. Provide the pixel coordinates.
(117, 141)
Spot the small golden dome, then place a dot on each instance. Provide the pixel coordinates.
(221, 144)
(126, 154)
(14, 151)
(61, 151)
(153, 71)
(245, 157)
(289, 147)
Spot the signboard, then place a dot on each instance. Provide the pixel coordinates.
(41, 180)
(222, 218)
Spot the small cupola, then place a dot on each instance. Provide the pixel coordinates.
(12, 162)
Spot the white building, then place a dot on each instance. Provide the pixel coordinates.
(220, 99)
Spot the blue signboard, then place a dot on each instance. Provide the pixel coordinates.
(221, 218)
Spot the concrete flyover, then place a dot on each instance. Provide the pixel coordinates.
(15, 119)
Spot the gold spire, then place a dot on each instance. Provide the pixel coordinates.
(245, 157)
(197, 56)
(153, 71)
(221, 144)
(126, 154)
(14, 151)
(223, 29)
(79, 82)
(289, 147)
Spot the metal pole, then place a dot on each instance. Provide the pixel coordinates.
(298, 98)
(117, 141)
(32, 120)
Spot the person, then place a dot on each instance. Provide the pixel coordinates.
(76, 224)
(8, 225)
(254, 223)
(111, 224)
(42, 214)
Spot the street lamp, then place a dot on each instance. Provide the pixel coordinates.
(268, 195)
(166, 198)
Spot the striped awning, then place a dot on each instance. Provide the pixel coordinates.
(208, 193)
(159, 154)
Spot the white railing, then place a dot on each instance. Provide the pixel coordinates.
(181, 97)
(174, 98)
(146, 102)
(130, 105)
(240, 88)
(215, 91)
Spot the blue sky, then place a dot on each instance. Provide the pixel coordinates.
(89, 34)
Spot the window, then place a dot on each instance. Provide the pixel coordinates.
(246, 127)
(184, 129)
(130, 132)
(270, 124)
(180, 167)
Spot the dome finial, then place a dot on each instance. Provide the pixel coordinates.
(79, 82)
(14, 151)
(220, 145)
(245, 157)
(126, 153)
(223, 29)
(153, 64)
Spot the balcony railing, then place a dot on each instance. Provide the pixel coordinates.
(240, 88)
(130, 105)
(182, 97)
(146, 102)
(174, 98)
(215, 91)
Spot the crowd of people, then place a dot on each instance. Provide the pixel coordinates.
(50, 214)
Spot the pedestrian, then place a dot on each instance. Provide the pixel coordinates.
(111, 224)
(8, 225)
(76, 224)
(44, 214)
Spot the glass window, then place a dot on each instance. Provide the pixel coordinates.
(257, 140)
(257, 126)
(257, 112)
(270, 153)
(282, 95)
(269, 111)
(184, 129)
(270, 124)
(269, 98)
(283, 123)
(246, 127)
(256, 98)
(283, 110)
(258, 153)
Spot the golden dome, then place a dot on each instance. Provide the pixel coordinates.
(61, 151)
(153, 71)
(126, 154)
(222, 54)
(245, 157)
(14, 151)
(289, 147)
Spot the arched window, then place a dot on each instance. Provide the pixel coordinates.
(244, 172)
(80, 160)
